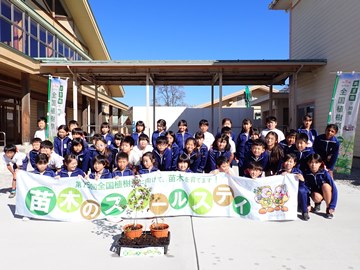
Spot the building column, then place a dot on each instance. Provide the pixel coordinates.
(220, 98)
(84, 113)
(25, 109)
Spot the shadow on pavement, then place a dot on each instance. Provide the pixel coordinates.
(5, 190)
(13, 209)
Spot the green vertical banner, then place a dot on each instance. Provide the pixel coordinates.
(344, 112)
(247, 97)
(57, 92)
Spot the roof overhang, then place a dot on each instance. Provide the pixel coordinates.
(280, 4)
(185, 72)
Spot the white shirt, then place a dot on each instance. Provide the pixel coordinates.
(208, 139)
(40, 134)
(140, 152)
(280, 134)
(232, 146)
(134, 158)
(17, 159)
(55, 161)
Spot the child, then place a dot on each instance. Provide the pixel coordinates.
(71, 125)
(219, 148)
(183, 163)
(289, 166)
(14, 160)
(257, 154)
(106, 134)
(70, 168)
(301, 151)
(148, 163)
(35, 142)
(175, 150)
(94, 138)
(254, 170)
(122, 168)
(82, 155)
(55, 161)
(41, 166)
(41, 132)
(61, 141)
(226, 122)
(161, 129)
(162, 154)
(275, 153)
(327, 146)
(227, 131)
(253, 136)
(143, 145)
(308, 130)
(102, 149)
(271, 123)
(100, 164)
(78, 133)
(208, 137)
(127, 146)
(290, 138)
(182, 134)
(191, 153)
(139, 129)
(321, 185)
(202, 152)
(244, 136)
(222, 165)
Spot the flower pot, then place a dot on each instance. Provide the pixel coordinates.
(133, 231)
(159, 230)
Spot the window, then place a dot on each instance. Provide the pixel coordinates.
(26, 35)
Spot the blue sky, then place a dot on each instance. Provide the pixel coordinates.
(191, 30)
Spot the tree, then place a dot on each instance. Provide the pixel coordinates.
(170, 95)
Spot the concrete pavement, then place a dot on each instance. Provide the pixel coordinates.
(196, 243)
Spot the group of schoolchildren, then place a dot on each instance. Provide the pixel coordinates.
(311, 157)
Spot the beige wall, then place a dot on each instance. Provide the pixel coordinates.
(325, 29)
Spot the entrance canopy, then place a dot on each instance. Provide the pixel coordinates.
(185, 72)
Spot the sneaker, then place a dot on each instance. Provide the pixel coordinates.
(316, 207)
(329, 213)
(305, 216)
(12, 194)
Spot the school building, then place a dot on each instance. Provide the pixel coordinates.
(31, 31)
(327, 30)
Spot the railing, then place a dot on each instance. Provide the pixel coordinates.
(4, 138)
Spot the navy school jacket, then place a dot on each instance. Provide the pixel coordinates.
(263, 159)
(155, 135)
(105, 175)
(32, 155)
(145, 171)
(83, 159)
(240, 145)
(126, 172)
(175, 151)
(110, 159)
(312, 133)
(180, 139)
(315, 181)
(65, 173)
(163, 161)
(285, 147)
(61, 145)
(48, 172)
(327, 149)
(109, 138)
(302, 157)
(212, 156)
(135, 136)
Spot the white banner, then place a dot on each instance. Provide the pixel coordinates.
(344, 113)
(156, 194)
(57, 92)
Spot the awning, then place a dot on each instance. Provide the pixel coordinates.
(185, 72)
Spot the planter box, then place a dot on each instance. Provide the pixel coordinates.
(146, 245)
